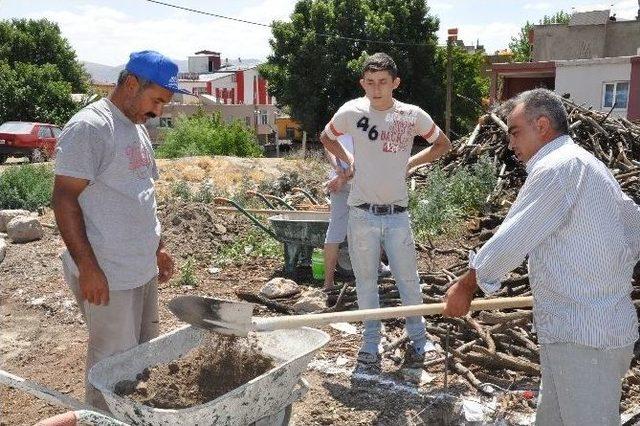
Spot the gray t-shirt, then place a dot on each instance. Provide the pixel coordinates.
(382, 142)
(102, 145)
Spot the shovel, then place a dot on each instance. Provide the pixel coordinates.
(236, 318)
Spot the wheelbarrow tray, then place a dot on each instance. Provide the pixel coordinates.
(263, 396)
(300, 227)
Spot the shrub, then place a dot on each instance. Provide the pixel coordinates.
(188, 273)
(207, 134)
(26, 187)
(253, 243)
(180, 189)
(440, 205)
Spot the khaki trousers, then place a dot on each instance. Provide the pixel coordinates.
(130, 318)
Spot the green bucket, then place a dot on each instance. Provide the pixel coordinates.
(317, 264)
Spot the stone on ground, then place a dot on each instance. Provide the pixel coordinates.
(23, 229)
(7, 215)
(280, 287)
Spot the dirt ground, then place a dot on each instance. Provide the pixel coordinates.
(43, 337)
(219, 365)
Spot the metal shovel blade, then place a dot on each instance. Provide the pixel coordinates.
(221, 316)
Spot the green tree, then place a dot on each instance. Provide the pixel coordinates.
(470, 86)
(38, 72)
(39, 42)
(207, 134)
(34, 93)
(520, 46)
(313, 71)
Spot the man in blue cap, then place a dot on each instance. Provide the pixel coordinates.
(105, 206)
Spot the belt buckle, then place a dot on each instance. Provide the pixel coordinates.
(380, 209)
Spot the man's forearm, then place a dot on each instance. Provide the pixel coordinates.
(335, 148)
(428, 155)
(72, 229)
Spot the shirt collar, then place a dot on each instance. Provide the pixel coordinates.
(117, 112)
(547, 149)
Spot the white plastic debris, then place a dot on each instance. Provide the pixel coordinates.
(342, 361)
(37, 301)
(475, 410)
(417, 376)
(345, 327)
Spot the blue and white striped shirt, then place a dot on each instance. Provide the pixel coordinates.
(582, 236)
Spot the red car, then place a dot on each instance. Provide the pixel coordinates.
(36, 141)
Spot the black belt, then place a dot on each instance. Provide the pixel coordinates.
(382, 209)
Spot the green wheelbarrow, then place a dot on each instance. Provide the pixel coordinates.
(299, 232)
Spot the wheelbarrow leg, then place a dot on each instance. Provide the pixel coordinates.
(291, 253)
(305, 255)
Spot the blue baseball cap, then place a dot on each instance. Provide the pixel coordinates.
(157, 68)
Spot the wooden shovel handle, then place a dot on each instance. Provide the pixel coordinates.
(296, 321)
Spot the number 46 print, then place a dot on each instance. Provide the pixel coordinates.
(363, 124)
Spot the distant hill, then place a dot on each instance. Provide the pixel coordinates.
(102, 73)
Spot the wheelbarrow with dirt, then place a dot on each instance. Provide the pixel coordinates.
(299, 232)
(264, 400)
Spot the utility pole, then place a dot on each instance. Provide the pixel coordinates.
(452, 36)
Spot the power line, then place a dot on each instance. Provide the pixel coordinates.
(201, 12)
(216, 15)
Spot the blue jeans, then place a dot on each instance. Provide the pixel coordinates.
(366, 232)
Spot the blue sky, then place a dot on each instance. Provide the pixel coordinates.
(106, 31)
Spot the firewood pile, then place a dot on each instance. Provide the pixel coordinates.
(613, 140)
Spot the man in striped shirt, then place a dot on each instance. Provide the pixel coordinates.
(582, 236)
(383, 129)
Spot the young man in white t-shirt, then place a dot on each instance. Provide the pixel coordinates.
(383, 130)
(339, 187)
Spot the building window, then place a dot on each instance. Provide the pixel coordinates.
(615, 95)
(166, 122)
(199, 90)
(264, 118)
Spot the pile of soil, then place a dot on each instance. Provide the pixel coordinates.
(220, 365)
(197, 229)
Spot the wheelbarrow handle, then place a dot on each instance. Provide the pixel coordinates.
(84, 413)
(251, 217)
(49, 395)
(280, 200)
(262, 197)
(306, 194)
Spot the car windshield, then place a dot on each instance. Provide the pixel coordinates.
(16, 127)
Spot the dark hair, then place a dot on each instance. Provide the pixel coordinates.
(540, 103)
(143, 82)
(380, 62)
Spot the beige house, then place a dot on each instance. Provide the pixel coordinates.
(262, 118)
